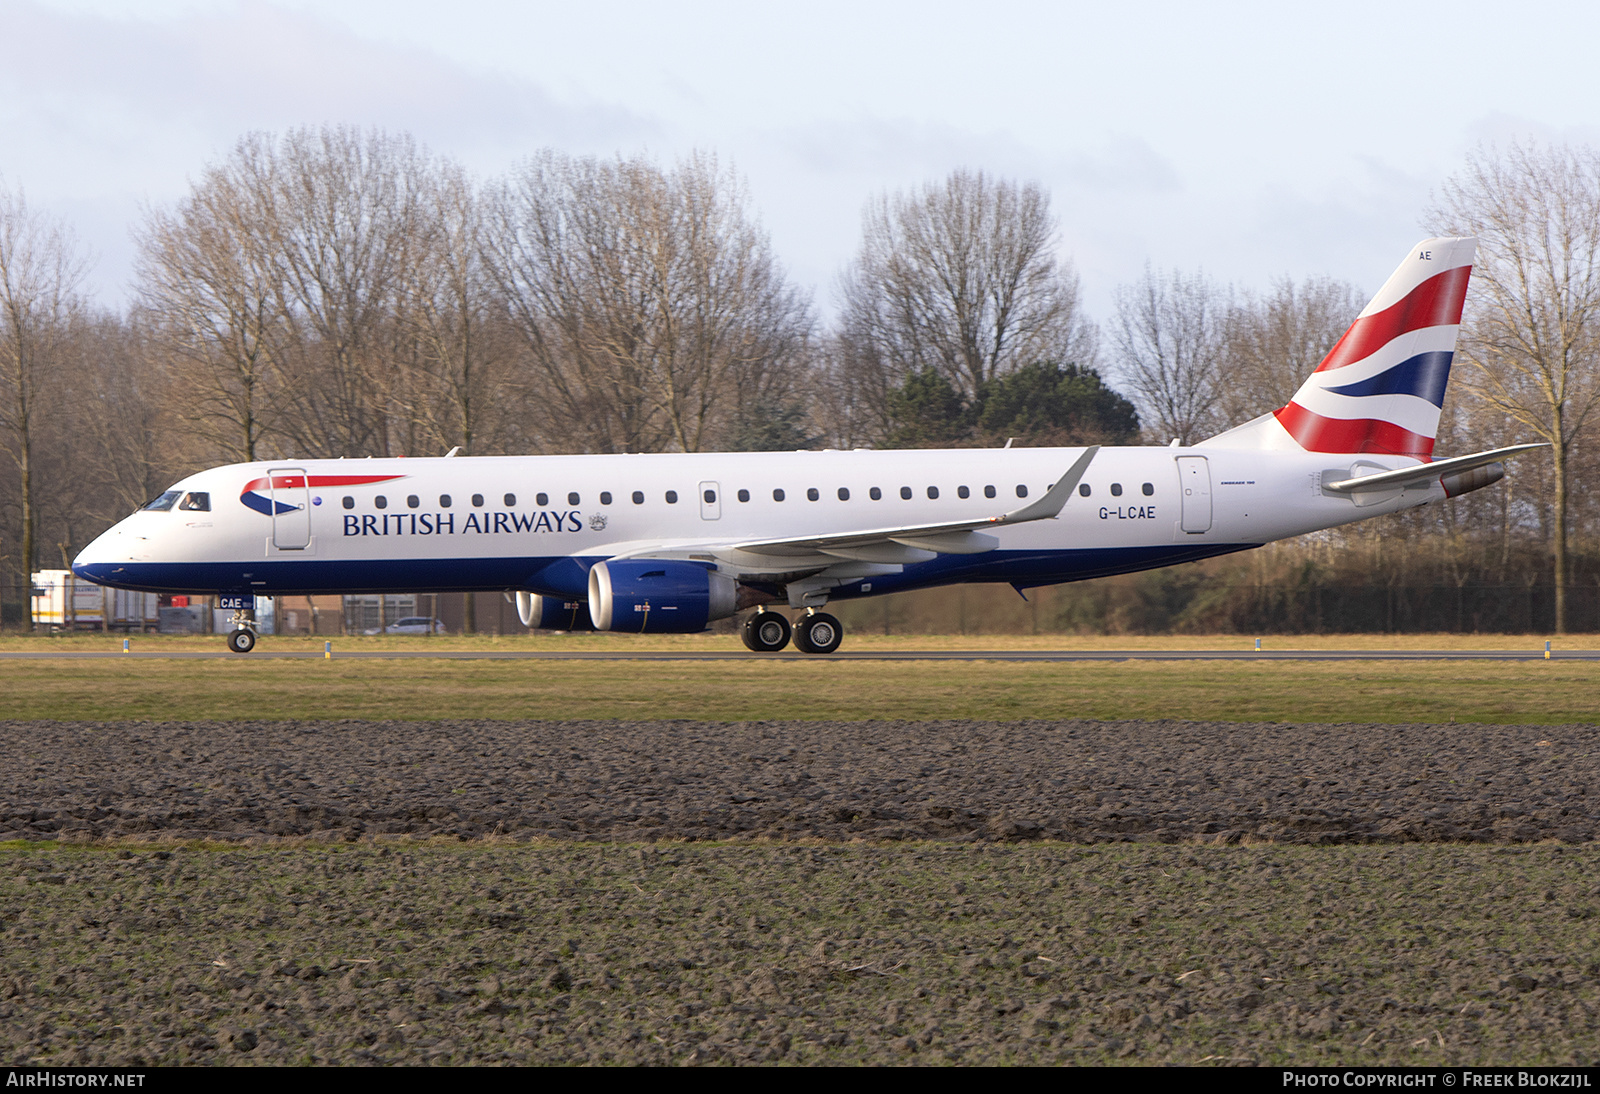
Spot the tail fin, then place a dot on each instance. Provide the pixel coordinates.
(1381, 387)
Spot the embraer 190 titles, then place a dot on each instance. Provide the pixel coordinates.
(670, 543)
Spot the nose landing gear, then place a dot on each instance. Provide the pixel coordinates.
(242, 639)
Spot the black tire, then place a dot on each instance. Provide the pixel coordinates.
(765, 632)
(242, 641)
(819, 633)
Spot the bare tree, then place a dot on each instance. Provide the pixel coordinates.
(347, 213)
(456, 386)
(960, 277)
(1531, 332)
(1273, 341)
(649, 305)
(1168, 341)
(850, 393)
(119, 426)
(275, 285)
(212, 289)
(40, 270)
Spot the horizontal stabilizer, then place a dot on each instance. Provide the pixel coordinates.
(1425, 472)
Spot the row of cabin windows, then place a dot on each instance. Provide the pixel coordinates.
(1147, 489)
(812, 494)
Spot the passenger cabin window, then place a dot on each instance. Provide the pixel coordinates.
(444, 501)
(672, 497)
(412, 501)
(541, 500)
(988, 491)
(875, 494)
(744, 495)
(844, 493)
(905, 492)
(348, 502)
(933, 492)
(511, 501)
(605, 497)
(1083, 489)
(164, 502)
(811, 493)
(1148, 488)
(638, 497)
(711, 497)
(477, 501)
(777, 495)
(572, 499)
(963, 492)
(1022, 491)
(1116, 490)
(196, 502)
(381, 502)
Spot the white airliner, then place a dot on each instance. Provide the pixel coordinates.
(667, 543)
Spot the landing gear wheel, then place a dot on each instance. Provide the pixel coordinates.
(819, 633)
(242, 641)
(765, 632)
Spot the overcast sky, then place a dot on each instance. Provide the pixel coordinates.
(1251, 140)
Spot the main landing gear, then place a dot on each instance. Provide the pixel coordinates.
(765, 632)
(814, 632)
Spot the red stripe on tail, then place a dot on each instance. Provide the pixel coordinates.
(1437, 302)
(1318, 434)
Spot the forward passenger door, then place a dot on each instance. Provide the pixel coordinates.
(291, 508)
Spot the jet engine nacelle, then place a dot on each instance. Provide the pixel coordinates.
(550, 613)
(654, 596)
(1463, 482)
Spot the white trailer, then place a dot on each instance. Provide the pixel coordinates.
(64, 602)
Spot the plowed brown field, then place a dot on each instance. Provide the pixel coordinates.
(671, 892)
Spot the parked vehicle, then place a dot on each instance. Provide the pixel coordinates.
(64, 602)
(414, 624)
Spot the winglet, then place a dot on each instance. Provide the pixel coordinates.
(1049, 506)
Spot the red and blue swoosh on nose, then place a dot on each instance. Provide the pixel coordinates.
(263, 504)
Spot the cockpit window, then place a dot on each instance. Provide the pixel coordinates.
(165, 501)
(198, 501)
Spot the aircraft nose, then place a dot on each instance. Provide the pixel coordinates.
(98, 561)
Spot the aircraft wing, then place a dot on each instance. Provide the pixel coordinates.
(898, 544)
(1425, 472)
(955, 537)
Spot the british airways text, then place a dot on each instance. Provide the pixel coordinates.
(438, 524)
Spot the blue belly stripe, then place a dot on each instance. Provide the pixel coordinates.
(568, 576)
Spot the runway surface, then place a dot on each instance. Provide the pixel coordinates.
(789, 656)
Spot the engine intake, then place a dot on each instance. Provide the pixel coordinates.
(654, 596)
(550, 613)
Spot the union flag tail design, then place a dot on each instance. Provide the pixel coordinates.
(1381, 387)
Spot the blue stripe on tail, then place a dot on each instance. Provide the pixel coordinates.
(1424, 376)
